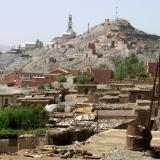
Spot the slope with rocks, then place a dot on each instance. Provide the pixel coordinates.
(101, 44)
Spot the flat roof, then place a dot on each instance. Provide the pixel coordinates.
(36, 101)
(35, 98)
(107, 106)
(109, 97)
(94, 85)
(5, 90)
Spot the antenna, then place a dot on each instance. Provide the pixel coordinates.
(116, 9)
(88, 27)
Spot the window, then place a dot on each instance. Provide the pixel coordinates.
(6, 101)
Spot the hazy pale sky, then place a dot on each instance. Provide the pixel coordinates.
(27, 20)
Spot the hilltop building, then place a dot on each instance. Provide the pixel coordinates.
(70, 33)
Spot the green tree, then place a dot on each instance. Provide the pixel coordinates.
(121, 71)
(131, 59)
(130, 67)
(82, 79)
(138, 70)
(62, 79)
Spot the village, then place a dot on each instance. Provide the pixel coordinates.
(62, 100)
(79, 105)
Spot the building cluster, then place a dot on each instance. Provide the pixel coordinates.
(118, 93)
(24, 79)
(19, 79)
(27, 46)
(69, 34)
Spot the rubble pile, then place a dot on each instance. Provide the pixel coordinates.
(99, 125)
(55, 151)
(108, 124)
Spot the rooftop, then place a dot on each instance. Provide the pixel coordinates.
(4, 90)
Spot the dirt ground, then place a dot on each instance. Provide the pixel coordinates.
(7, 157)
(98, 144)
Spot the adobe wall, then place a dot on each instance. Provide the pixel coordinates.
(8, 146)
(14, 144)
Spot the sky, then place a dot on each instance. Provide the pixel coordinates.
(28, 20)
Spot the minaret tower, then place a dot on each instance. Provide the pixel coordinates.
(70, 33)
(70, 29)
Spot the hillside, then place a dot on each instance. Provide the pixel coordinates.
(101, 44)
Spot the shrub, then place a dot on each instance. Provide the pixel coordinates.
(62, 79)
(103, 65)
(82, 79)
(41, 86)
(18, 117)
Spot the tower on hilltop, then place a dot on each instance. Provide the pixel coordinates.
(70, 33)
(69, 29)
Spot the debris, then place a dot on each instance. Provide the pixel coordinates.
(92, 157)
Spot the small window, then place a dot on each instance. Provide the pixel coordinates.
(86, 91)
(139, 97)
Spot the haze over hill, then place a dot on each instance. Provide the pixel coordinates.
(4, 48)
(100, 44)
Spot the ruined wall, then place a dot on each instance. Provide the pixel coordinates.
(143, 95)
(8, 144)
(69, 137)
(27, 142)
(12, 144)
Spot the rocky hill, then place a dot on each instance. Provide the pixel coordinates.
(101, 44)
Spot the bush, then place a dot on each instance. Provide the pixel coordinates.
(121, 72)
(103, 65)
(62, 79)
(41, 86)
(18, 117)
(50, 86)
(130, 67)
(82, 79)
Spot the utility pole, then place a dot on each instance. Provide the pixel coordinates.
(116, 9)
(159, 81)
(155, 95)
